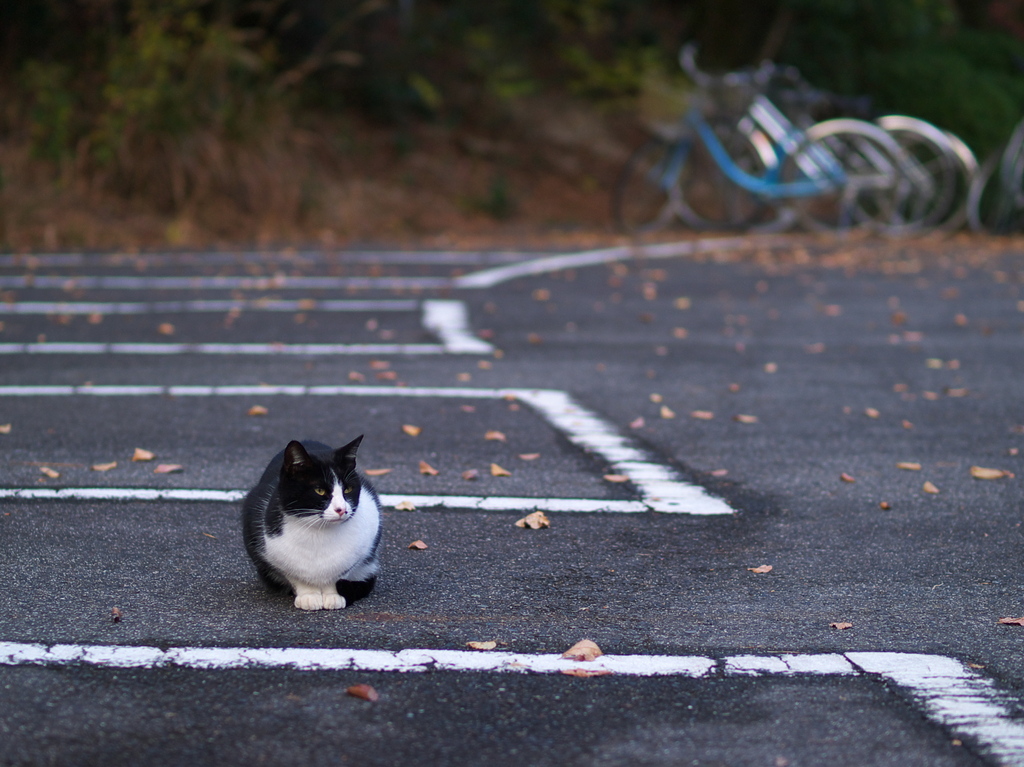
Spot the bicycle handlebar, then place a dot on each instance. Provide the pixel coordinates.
(756, 77)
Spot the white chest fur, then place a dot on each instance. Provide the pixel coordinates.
(321, 552)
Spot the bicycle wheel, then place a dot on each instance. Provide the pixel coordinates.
(933, 171)
(710, 200)
(991, 200)
(646, 195)
(871, 162)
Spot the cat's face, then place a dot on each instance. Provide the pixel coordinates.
(318, 489)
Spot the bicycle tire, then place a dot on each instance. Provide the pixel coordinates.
(709, 200)
(646, 194)
(934, 170)
(989, 207)
(871, 160)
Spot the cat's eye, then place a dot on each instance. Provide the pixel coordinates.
(349, 490)
(320, 491)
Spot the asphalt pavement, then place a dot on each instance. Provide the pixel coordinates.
(783, 480)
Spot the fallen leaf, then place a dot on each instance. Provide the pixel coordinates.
(529, 456)
(412, 431)
(363, 691)
(535, 521)
(355, 375)
(463, 377)
(497, 471)
(104, 466)
(847, 477)
(405, 506)
(583, 650)
(885, 505)
(907, 424)
(426, 468)
(494, 435)
(169, 468)
(1012, 621)
(51, 473)
(656, 398)
(377, 472)
(980, 472)
(718, 472)
(957, 392)
(470, 474)
(683, 303)
(745, 418)
(165, 329)
(115, 615)
(870, 412)
(667, 412)
(928, 487)
(771, 367)
(933, 363)
(840, 626)
(418, 545)
(467, 408)
(5, 428)
(616, 478)
(585, 672)
(761, 569)
(379, 364)
(817, 348)
(490, 645)
(637, 423)
(142, 455)
(208, 535)
(703, 415)
(908, 466)
(679, 333)
(258, 410)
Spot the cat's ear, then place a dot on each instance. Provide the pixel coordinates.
(347, 454)
(295, 458)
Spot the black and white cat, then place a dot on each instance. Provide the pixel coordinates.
(312, 524)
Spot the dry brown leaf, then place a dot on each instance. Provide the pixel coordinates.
(583, 650)
(363, 691)
(142, 455)
(470, 474)
(771, 367)
(683, 303)
(637, 423)
(169, 468)
(529, 456)
(379, 364)
(907, 424)
(412, 431)
(980, 472)
(703, 415)
(5, 428)
(840, 626)
(885, 505)
(490, 645)
(104, 466)
(908, 466)
(745, 418)
(405, 506)
(258, 410)
(497, 471)
(616, 478)
(847, 477)
(1012, 621)
(928, 487)
(585, 672)
(115, 615)
(536, 521)
(51, 473)
(761, 569)
(165, 329)
(870, 412)
(377, 472)
(418, 545)
(667, 412)
(495, 435)
(656, 398)
(355, 375)
(426, 468)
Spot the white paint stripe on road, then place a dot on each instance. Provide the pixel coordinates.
(449, 321)
(388, 500)
(660, 486)
(949, 693)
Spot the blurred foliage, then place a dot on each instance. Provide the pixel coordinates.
(108, 85)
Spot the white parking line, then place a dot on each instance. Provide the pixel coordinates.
(660, 486)
(948, 692)
(447, 319)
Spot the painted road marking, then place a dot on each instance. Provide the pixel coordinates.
(947, 691)
(447, 319)
(660, 486)
(485, 278)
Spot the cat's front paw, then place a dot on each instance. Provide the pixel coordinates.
(314, 601)
(334, 602)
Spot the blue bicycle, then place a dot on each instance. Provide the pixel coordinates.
(735, 161)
